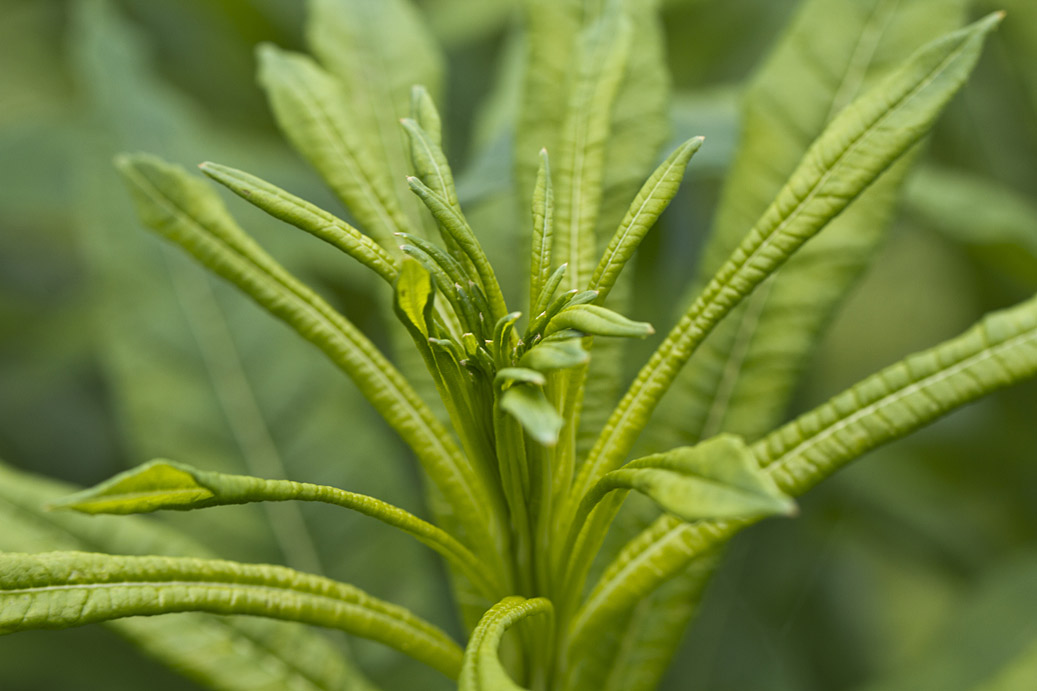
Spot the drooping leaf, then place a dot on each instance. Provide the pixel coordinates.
(188, 213)
(63, 589)
(414, 295)
(597, 321)
(482, 669)
(225, 653)
(161, 485)
(552, 355)
(528, 404)
(859, 144)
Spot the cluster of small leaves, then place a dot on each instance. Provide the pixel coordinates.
(525, 510)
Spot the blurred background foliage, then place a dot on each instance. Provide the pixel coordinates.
(915, 568)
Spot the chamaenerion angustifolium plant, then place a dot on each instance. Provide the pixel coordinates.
(530, 459)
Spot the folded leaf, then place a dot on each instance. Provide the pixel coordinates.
(543, 236)
(528, 404)
(482, 669)
(305, 216)
(163, 484)
(414, 295)
(552, 355)
(597, 321)
(644, 211)
(62, 589)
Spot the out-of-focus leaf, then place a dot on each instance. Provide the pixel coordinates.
(310, 107)
(990, 643)
(999, 225)
(378, 50)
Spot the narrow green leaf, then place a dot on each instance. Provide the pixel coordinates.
(602, 55)
(188, 213)
(164, 484)
(543, 233)
(414, 295)
(377, 50)
(1000, 350)
(597, 321)
(430, 162)
(552, 355)
(644, 211)
(453, 225)
(229, 654)
(305, 216)
(423, 111)
(742, 377)
(528, 404)
(482, 669)
(854, 150)
(309, 105)
(63, 589)
(548, 290)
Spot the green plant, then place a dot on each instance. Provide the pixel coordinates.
(523, 501)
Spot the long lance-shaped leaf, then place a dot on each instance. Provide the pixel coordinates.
(543, 233)
(430, 162)
(164, 484)
(309, 106)
(1000, 350)
(854, 150)
(603, 53)
(743, 375)
(300, 213)
(453, 224)
(482, 669)
(644, 211)
(190, 214)
(378, 50)
(227, 654)
(58, 590)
